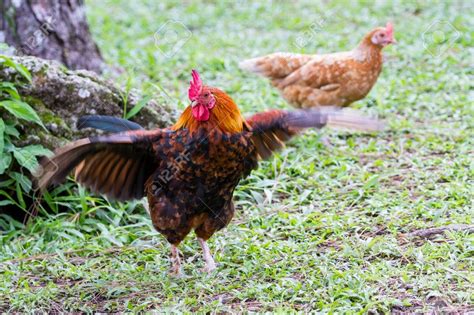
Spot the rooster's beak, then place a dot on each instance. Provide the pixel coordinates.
(194, 103)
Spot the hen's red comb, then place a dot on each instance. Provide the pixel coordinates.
(195, 86)
(389, 29)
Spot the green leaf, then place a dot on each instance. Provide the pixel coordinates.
(11, 130)
(9, 147)
(8, 196)
(373, 181)
(2, 138)
(37, 150)
(26, 156)
(6, 183)
(6, 202)
(19, 194)
(22, 179)
(22, 110)
(18, 67)
(5, 161)
(138, 107)
(10, 89)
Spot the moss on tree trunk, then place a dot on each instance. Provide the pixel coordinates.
(61, 96)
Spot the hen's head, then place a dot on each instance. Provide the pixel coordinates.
(382, 36)
(209, 107)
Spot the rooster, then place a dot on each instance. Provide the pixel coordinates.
(188, 171)
(337, 79)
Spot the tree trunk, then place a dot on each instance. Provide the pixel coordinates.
(50, 29)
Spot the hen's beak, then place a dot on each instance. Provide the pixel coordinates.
(390, 39)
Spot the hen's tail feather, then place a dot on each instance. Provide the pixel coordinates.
(107, 123)
(251, 65)
(275, 66)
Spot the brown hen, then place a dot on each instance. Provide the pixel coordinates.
(336, 79)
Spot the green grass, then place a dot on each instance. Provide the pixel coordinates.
(317, 228)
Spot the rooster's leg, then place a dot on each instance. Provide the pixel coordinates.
(210, 263)
(175, 261)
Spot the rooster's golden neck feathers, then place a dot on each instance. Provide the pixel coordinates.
(224, 115)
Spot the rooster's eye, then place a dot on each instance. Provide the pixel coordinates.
(382, 35)
(206, 94)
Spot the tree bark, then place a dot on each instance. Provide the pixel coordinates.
(50, 29)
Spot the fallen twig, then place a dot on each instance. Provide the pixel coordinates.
(425, 233)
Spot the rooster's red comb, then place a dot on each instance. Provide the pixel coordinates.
(195, 86)
(389, 29)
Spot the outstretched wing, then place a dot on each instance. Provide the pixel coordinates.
(116, 165)
(271, 129)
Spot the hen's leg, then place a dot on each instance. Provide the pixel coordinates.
(175, 261)
(210, 263)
